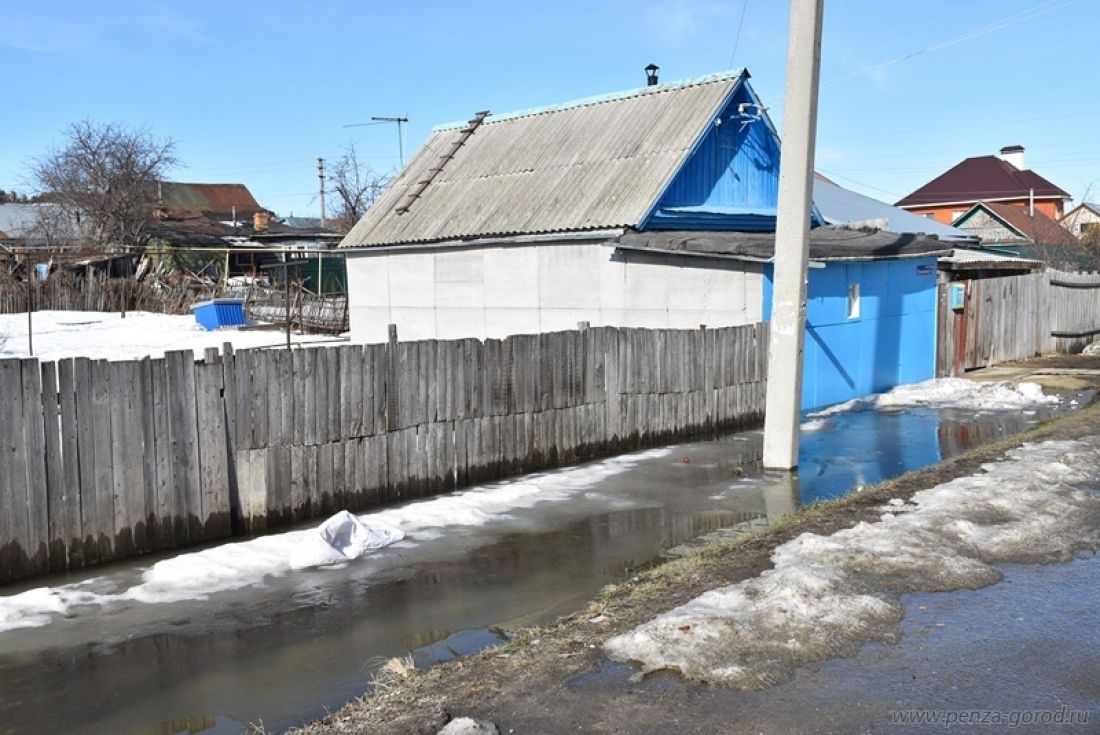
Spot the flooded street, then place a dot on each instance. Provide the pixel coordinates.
(285, 651)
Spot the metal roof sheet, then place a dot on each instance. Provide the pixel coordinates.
(208, 198)
(22, 220)
(842, 206)
(591, 164)
(981, 178)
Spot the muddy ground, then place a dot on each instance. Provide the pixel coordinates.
(530, 684)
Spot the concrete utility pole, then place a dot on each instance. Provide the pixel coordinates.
(792, 236)
(321, 182)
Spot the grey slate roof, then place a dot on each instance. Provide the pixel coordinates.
(826, 243)
(596, 163)
(840, 206)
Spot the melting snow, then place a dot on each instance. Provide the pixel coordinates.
(340, 539)
(958, 393)
(827, 595)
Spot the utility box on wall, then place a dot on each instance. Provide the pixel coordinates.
(957, 296)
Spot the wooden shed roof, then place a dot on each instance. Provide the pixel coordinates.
(591, 164)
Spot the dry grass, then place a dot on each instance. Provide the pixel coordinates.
(394, 670)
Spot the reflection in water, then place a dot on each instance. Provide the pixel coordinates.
(287, 651)
(860, 448)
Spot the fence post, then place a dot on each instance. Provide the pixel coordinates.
(391, 379)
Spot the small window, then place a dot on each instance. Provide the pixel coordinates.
(853, 301)
(929, 215)
(956, 213)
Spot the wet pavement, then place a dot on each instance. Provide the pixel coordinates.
(1015, 656)
(300, 645)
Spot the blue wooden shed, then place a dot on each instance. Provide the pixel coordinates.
(870, 307)
(870, 326)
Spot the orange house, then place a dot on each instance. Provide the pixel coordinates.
(1002, 179)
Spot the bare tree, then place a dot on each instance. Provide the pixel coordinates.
(107, 174)
(356, 186)
(54, 226)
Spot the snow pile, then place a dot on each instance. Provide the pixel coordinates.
(107, 336)
(827, 595)
(340, 539)
(958, 393)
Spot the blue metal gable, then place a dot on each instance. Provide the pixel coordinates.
(730, 181)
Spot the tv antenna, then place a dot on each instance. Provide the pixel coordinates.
(401, 122)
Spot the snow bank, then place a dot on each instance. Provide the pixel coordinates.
(107, 336)
(340, 539)
(959, 393)
(827, 595)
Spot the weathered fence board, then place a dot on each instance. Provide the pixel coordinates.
(1016, 317)
(104, 460)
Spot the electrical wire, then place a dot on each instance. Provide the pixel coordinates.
(737, 38)
(1027, 14)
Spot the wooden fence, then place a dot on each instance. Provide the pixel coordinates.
(105, 460)
(96, 292)
(1016, 317)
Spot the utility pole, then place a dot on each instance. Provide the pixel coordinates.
(321, 184)
(792, 236)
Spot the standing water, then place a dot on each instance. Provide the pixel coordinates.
(214, 640)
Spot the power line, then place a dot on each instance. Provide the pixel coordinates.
(997, 25)
(833, 175)
(914, 131)
(737, 38)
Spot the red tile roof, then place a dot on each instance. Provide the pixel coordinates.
(1038, 228)
(982, 178)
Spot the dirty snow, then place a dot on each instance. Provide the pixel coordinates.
(107, 336)
(827, 595)
(337, 541)
(958, 393)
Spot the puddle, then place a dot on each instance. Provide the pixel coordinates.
(288, 650)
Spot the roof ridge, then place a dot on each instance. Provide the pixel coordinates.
(722, 76)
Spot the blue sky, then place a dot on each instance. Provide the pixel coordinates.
(254, 92)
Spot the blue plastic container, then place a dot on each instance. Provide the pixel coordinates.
(219, 313)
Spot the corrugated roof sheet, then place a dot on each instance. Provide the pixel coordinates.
(214, 199)
(981, 178)
(967, 258)
(593, 164)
